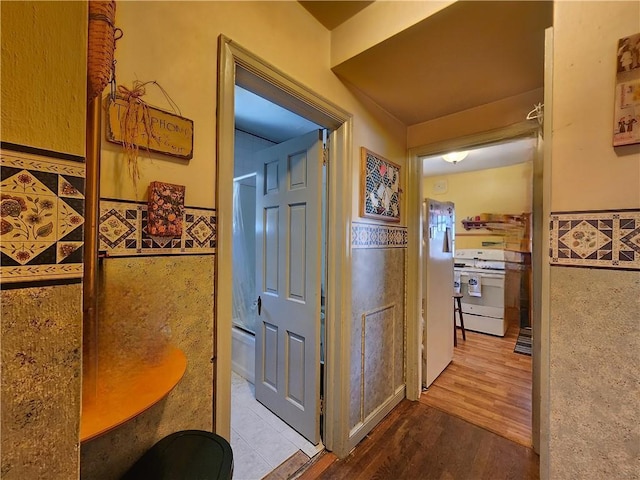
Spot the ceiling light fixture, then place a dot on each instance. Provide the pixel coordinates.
(455, 157)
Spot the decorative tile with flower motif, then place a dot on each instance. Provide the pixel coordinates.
(42, 214)
(165, 211)
(368, 235)
(123, 231)
(118, 226)
(606, 239)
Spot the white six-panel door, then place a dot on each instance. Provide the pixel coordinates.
(288, 236)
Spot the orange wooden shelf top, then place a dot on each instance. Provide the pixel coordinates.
(129, 394)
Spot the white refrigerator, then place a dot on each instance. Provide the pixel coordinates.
(437, 287)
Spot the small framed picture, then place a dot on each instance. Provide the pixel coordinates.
(626, 121)
(165, 209)
(380, 187)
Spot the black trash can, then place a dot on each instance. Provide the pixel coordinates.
(186, 455)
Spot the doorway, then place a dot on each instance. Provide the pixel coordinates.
(263, 433)
(489, 378)
(239, 67)
(415, 195)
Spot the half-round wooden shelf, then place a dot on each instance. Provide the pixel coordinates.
(131, 395)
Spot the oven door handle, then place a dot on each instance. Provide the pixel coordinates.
(483, 275)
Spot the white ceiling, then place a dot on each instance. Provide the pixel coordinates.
(493, 156)
(260, 117)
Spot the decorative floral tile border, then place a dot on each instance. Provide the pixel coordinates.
(368, 235)
(123, 231)
(605, 239)
(42, 208)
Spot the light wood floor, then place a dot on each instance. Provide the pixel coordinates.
(488, 385)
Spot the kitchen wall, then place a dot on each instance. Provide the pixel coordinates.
(495, 190)
(41, 297)
(595, 272)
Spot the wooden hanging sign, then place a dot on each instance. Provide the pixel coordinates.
(171, 133)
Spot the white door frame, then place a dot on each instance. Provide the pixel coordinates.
(237, 65)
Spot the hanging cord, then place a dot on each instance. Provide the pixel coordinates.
(172, 104)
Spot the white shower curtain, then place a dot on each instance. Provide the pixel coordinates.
(244, 308)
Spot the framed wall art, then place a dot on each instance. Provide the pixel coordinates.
(165, 210)
(380, 187)
(626, 121)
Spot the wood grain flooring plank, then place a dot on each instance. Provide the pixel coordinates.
(487, 384)
(420, 442)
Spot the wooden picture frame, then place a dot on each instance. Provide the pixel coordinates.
(379, 188)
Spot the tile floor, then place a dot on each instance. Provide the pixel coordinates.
(260, 440)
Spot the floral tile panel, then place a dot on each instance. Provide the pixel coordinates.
(124, 231)
(42, 216)
(165, 209)
(368, 235)
(605, 239)
(118, 227)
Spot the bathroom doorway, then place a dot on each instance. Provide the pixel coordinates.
(240, 68)
(264, 433)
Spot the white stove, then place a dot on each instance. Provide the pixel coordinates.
(482, 273)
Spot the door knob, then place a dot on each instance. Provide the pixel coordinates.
(259, 304)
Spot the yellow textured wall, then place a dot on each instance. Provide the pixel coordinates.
(41, 369)
(587, 172)
(43, 105)
(44, 74)
(145, 304)
(594, 413)
(495, 190)
(175, 43)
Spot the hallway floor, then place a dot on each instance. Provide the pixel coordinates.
(259, 439)
(418, 442)
(488, 385)
(473, 423)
